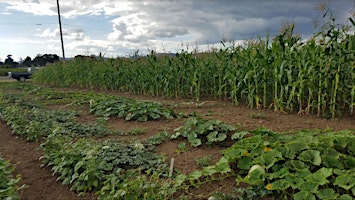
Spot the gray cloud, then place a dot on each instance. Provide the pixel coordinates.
(209, 21)
(165, 24)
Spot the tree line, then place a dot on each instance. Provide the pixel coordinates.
(39, 60)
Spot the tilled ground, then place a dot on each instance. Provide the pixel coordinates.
(42, 185)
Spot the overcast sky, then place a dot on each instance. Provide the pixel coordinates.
(117, 27)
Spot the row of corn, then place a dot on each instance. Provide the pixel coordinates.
(285, 73)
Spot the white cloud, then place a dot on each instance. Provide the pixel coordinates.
(48, 33)
(120, 26)
(45, 9)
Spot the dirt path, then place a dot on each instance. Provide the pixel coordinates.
(41, 184)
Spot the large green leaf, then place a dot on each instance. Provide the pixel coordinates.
(295, 182)
(239, 135)
(278, 174)
(245, 163)
(327, 194)
(304, 195)
(351, 146)
(349, 162)
(216, 137)
(332, 162)
(286, 152)
(309, 187)
(303, 173)
(195, 175)
(256, 177)
(295, 165)
(269, 158)
(222, 166)
(320, 176)
(345, 197)
(331, 152)
(311, 156)
(345, 181)
(341, 141)
(280, 185)
(296, 146)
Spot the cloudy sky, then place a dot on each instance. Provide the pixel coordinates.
(118, 27)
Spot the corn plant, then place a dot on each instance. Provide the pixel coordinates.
(286, 73)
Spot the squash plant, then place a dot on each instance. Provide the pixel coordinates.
(129, 109)
(304, 165)
(198, 131)
(31, 122)
(85, 164)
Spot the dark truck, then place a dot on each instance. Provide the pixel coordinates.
(20, 76)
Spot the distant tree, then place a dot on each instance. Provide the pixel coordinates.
(9, 62)
(51, 58)
(42, 60)
(27, 62)
(39, 61)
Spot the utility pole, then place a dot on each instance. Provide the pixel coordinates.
(60, 30)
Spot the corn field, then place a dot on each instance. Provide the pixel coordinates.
(284, 73)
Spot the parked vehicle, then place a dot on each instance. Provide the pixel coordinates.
(21, 76)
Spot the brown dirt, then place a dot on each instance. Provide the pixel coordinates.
(42, 185)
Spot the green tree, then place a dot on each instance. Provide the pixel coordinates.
(9, 62)
(27, 62)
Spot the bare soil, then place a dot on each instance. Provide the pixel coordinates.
(42, 185)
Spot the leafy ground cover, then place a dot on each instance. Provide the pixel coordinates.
(214, 146)
(8, 184)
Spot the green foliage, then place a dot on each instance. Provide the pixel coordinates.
(310, 164)
(249, 193)
(8, 185)
(85, 164)
(258, 115)
(286, 72)
(134, 184)
(218, 171)
(130, 155)
(199, 131)
(136, 131)
(130, 109)
(34, 123)
(204, 160)
(74, 162)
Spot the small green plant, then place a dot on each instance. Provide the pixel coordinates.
(199, 131)
(181, 147)
(248, 193)
(136, 131)
(204, 160)
(259, 115)
(135, 184)
(8, 185)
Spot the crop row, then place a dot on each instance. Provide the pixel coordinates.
(8, 184)
(82, 162)
(285, 73)
(308, 164)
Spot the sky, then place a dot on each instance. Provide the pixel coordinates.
(120, 27)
